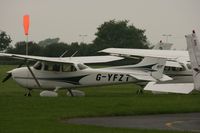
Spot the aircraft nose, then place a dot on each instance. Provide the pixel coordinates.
(19, 73)
(9, 75)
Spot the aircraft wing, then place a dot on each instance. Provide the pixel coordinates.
(82, 59)
(173, 64)
(168, 54)
(183, 88)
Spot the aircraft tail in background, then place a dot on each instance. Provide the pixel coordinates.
(193, 47)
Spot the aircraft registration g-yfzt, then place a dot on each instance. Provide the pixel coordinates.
(51, 74)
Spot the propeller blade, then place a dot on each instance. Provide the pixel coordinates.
(10, 74)
(7, 77)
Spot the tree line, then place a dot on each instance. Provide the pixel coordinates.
(112, 33)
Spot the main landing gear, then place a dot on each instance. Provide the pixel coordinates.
(75, 93)
(140, 91)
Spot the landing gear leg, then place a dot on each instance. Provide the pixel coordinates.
(139, 91)
(28, 93)
(70, 91)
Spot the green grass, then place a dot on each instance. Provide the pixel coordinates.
(19, 114)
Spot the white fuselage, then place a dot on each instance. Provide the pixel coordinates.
(50, 80)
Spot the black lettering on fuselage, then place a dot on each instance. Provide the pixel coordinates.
(127, 77)
(115, 77)
(109, 76)
(121, 76)
(98, 77)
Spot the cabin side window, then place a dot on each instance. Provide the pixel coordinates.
(68, 68)
(52, 67)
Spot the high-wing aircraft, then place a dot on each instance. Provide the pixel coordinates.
(177, 66)
(52, 74)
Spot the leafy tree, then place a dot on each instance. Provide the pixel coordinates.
(20, 48)
(48, 41)
(5, 40)
(55, 49)
(119, 34)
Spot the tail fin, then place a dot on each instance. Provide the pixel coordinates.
(150, 60)
(193, 47)
(158, 68)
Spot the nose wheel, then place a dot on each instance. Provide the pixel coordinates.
(28, 93)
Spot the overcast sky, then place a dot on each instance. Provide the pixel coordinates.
(67, 19)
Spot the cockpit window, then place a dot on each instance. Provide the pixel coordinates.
(68, 68)
(38, 66)
(189, 66)
(81, 66)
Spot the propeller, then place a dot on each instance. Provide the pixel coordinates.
(9, 74)
(27, 65)
(7, 77)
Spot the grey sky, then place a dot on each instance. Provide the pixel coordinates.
(67, 19)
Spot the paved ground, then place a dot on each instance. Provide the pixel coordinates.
(182, 122)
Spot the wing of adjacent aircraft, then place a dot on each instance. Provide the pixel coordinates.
(177, 55)
(82, 59)
(183, 88)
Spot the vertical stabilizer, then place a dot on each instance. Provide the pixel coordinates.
(193, 47)
(158, 68)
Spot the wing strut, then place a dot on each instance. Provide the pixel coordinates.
(33, 75)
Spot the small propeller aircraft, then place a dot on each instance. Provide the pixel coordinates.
(51, 74)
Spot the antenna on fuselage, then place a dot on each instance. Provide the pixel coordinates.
(74, 54)
(64, 53)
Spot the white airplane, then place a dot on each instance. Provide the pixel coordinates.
(177, 66)
(51, 74)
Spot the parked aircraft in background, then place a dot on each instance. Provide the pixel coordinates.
(177, 67)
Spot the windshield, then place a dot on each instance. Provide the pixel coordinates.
(38, 65)
(82, 66)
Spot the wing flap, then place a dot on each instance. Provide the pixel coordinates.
(183, 88)
(142, 77)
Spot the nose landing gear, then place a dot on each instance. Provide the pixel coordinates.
(28, 93)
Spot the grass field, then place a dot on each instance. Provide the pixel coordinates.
(19, 114)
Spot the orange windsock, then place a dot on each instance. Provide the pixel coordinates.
(26, 24)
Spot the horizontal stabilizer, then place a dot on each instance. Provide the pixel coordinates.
(165, 78)
(183, 88)
(143, 77)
